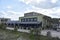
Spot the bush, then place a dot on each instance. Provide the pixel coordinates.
(15, 28)
(2, 26)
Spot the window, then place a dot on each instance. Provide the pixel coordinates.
(29, 19)
(35, 19)
(26, 19)
(22, 20)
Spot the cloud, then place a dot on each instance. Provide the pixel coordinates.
(9, 7)
(30, 1)
(54, 1)
(1, 14)
(52, 12)
(11, 14)
(46, 7)
(42, 3)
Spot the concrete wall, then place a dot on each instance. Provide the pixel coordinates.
(20, 30)
(9, 28)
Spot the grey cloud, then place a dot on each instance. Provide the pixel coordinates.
(46, 4)
(1, 14)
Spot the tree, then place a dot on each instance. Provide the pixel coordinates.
(31, 35)
(2, 26)
(35, 33)
(15, 28)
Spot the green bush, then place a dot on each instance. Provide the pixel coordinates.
(15, 28)
(2, 26)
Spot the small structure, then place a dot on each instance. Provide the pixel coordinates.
(4, 20)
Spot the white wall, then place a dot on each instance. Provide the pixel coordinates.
(23, 30)
(9, 28)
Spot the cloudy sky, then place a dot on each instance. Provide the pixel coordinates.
(16, 8)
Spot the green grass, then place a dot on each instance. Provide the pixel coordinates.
(9, 35)
(13, 35)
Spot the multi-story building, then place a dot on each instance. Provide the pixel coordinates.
(31, 20)
(34, 17)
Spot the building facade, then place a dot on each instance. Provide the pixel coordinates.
(29, 21)
(32, 17)
(32, 20)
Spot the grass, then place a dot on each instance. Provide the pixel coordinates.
(13, 35)
(9, 35)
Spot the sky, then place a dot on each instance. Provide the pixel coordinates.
(16, 8)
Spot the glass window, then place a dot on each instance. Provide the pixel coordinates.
(26, 19)
(31, 19)
(34, 19)
(22, 20)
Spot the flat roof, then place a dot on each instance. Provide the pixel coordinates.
(18, 22)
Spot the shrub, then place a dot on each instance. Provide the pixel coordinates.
(2, 26)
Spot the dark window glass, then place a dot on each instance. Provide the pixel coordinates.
(35, 19)
(29, 20)
(26, 19)
(22, 20)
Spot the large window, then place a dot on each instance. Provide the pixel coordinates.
(29, 19)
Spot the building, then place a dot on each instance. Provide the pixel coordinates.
(56, 23)
(4, 20)
(32, 17)
(30, 21)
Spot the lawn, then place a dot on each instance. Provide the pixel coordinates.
(13, 35)
(8, 35)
